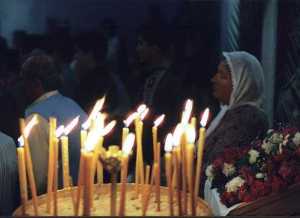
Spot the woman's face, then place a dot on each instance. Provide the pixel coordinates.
(222, 84)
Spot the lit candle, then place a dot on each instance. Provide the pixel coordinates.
(127, 123)
(176, 140)
(88, 159)
(191, 135)
(157, 122)
(201, 142)
(158, 178)
(194, 122)
(83, 135)
(168, 166)
(52, 129)
(126, 148)
(28, 161)
(139, 166)
(103, 132)
(55, 175)
(65, 150)
(22, 178)
(184, 121)
(97, 107)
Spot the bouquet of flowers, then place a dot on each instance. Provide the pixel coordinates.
(265, 166)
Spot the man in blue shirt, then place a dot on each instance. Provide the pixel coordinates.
(41, 79)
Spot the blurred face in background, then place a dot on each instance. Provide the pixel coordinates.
(144, 51)
(222, 83)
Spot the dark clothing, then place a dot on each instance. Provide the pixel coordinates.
(161, 92)
(238, 127)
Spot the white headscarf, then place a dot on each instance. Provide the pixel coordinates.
(247, 81)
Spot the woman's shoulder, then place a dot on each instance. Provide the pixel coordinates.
(248, 114)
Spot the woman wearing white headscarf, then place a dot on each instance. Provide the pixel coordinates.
(239, 87)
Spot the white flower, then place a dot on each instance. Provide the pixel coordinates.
(234, 184)
(296, 139)
(259, 175)
(254, 154)
(267, 146)
(276, 138)
(228, 169)
(209, 172)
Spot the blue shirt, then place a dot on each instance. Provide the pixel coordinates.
(53, 104)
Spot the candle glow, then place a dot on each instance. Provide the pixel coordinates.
(144, 113)
(159, 120)
(27, 129)
(98, 106)
(130, 119)
(128, 144)
(191, 134)
(59, 131)
(169, 143)
(204, 117)
(71, 125)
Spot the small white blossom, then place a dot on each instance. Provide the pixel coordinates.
(209, 172)
(228, 169)
(276, 138)
(267, 146)
(259, 175)
(254, 154)
(234, 184)
(296, 139)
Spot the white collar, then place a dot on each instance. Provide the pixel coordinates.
(44, 97)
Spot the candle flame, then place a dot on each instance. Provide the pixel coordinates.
(169, 143)
(177, 134)
(100, 120)
(91, 140)
(204, 117)
(159, 120)
(188, 105)
(98, 106)
(27, 129)
(191, 134)
(59, 131)
(144, 113)
(128, 144)
(71, 125)
(30, 125)
(108, 128)
(130, 118)
(187, 112)
(141, 109)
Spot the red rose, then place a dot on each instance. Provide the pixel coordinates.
(247, 174)
(229, 198)
(277, 184)
(286, 170)
(248, 198)
(230, 155)
(289, 131)
(298, 152)
(259, 188)
(218, 163)
(242, 192)
(243, 152)
(284, 155)
(297, 179)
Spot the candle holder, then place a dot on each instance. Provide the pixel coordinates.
(111, 160)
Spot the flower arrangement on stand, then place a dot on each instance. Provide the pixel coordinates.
(264, 167)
